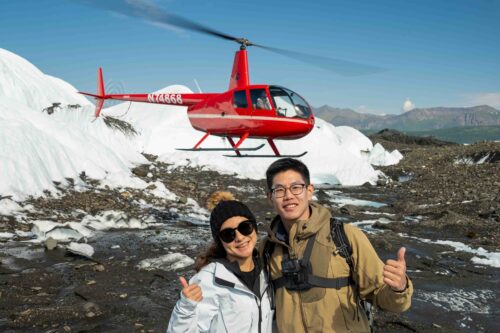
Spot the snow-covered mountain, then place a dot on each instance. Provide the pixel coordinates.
(38, 148)
(22, 82)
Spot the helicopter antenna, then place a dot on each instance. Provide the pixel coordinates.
(149, 12)
(197, 86)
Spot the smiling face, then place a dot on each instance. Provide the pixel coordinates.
(291, 207)
(241, 248)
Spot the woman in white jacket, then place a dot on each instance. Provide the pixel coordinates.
(230, 292)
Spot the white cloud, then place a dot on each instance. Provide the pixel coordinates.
(491, 99)
(408, 105)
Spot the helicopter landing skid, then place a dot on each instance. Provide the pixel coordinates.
(275, 156)
(221, 149)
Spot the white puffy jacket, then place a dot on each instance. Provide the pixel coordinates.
(227, 305)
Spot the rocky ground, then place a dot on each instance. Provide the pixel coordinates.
(458, 196)
(437, 192)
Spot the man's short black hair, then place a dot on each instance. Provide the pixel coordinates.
(286, 164)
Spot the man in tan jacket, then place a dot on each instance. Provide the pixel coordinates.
(314, 290)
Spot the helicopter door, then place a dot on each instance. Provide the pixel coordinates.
(259, 98)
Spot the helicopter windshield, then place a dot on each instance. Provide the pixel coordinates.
(288, 103)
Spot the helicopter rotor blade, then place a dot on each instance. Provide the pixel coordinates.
(338, 66)
(148, 11)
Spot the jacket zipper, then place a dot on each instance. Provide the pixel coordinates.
(302, 314)
(258, 301)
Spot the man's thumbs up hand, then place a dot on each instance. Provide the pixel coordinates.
(395, 272)
(401, 255)
(192, 292)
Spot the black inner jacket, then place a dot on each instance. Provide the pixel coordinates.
(250, 279)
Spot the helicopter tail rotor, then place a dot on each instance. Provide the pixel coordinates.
(100, 97)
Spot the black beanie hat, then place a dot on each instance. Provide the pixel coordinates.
(225, 210)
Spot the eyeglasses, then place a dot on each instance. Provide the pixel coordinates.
(245, 228)
(295, 189)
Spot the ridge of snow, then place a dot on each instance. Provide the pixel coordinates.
(22, 81)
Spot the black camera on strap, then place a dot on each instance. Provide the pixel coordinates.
(297, 273)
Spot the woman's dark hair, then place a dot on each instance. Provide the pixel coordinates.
(283, 165)
(214, 251)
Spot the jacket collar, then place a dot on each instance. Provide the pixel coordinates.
(301, 229)
(224, 276)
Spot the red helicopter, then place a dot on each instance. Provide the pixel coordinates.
(244, 111)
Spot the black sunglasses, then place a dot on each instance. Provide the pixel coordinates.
(245, 228)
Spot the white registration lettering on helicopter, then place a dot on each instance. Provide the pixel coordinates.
(165, 98)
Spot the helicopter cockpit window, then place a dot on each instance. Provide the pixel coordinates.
(240, 99)
(259, 99)
(288, 103)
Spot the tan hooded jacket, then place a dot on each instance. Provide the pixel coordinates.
(329, 309)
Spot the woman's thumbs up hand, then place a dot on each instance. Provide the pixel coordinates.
(192, 292)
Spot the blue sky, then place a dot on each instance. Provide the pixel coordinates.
(437, 53)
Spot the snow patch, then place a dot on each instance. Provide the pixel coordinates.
(381, 157)
(63, 232)
(6, 235)
(367, 225)
(161, 191)
(168, 262)
(458, 300)
(342, 201)
(81, 249)
(9, 207)
(482, 257)
(112, 219)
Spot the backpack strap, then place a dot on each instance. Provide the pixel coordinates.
(345, 250)
(341, 242)
(318, 281)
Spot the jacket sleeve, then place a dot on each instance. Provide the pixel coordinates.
(369, 269)
(195, 317)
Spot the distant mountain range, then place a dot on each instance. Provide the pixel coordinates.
(414, 120)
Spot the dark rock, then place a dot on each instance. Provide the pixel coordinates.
(150, 157)
(141, 171)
